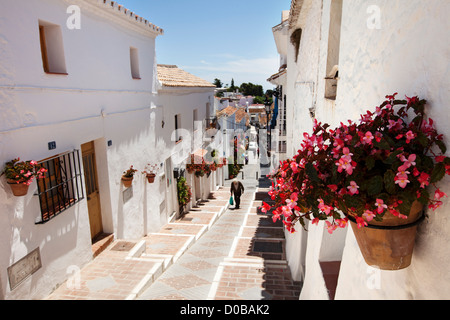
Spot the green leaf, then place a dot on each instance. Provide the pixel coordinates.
(438, 173)
(392, 157)
(442, 146)
(375, 185)
(370, 163)
(383, 144)
(389, 182)
(405, 206)
(422, 138)
(311, 172)
(424, 197)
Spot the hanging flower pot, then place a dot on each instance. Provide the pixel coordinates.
(127, 181)
(389, 245)
(18, 189)
(127, 177)
(150, 172)
(151, 177)
(20, 174)
(380, 172)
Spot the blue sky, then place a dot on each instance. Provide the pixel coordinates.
(216, 39)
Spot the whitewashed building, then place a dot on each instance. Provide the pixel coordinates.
(184, 114)
(343, 58)
(78, 93)
(279, 80)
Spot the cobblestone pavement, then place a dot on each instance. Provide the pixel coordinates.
(215, 252)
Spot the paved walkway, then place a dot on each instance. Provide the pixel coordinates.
(213, 253)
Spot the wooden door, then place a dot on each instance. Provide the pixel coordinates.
(92, 191)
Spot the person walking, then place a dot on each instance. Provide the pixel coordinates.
(237, 189)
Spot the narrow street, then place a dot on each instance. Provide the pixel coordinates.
(214, 252)
(240, 258)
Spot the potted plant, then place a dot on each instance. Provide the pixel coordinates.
(184, 193)
(199, 166)
(378, 174)
(20, 175)
(150, 172)
(127, 177)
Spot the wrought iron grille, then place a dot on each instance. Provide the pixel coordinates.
(62, 185)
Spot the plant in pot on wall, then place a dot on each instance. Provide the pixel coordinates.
(127, 177)
(379, 174)
(150, 172)
(20, 175)
(184, 193)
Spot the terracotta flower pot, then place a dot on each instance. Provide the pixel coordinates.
(18, 189)
(151, 177)
(127, 181)
(389, 245)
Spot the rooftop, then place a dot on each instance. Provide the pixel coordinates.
(172, 76)
(119, 9)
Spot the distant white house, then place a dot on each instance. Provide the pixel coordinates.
(185, 110)
(78, 93)
(279, 80)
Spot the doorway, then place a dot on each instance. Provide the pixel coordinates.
(92, 190)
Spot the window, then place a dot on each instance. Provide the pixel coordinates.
(177, 126)
(296, 38)
(134, 63)
(61, 186)
(52, 48)
(334, 39)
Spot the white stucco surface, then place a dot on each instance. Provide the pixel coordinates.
(385, 47)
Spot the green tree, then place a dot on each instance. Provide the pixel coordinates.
(250, 89)
(218, 83)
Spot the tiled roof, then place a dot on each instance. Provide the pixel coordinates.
(228, 111)
(240, 115)
(119, 9)
(172, 76)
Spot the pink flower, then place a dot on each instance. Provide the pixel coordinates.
(439, 194)
(361, 222)
(368, 137)
(411, 100)
(424, 179)
(408, 162)
(434, 205)
(294, 167)
(265, 207)
(345, 163)
(333, 187)
(323, 207)
(347, 153)
(276, 216)
(353, 188)
(402, 180)
(315, 221)
(410, 136)
(395, 125)
(342, 223)
(331, 227)
(368, 215)
(380, 206)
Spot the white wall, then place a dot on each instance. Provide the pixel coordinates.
(97, 101)
(183, 101)
(408, 54)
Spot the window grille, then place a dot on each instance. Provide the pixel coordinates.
(62, 185)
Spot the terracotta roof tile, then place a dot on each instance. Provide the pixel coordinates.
(172, 76)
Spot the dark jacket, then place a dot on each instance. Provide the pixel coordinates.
(237, 188)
